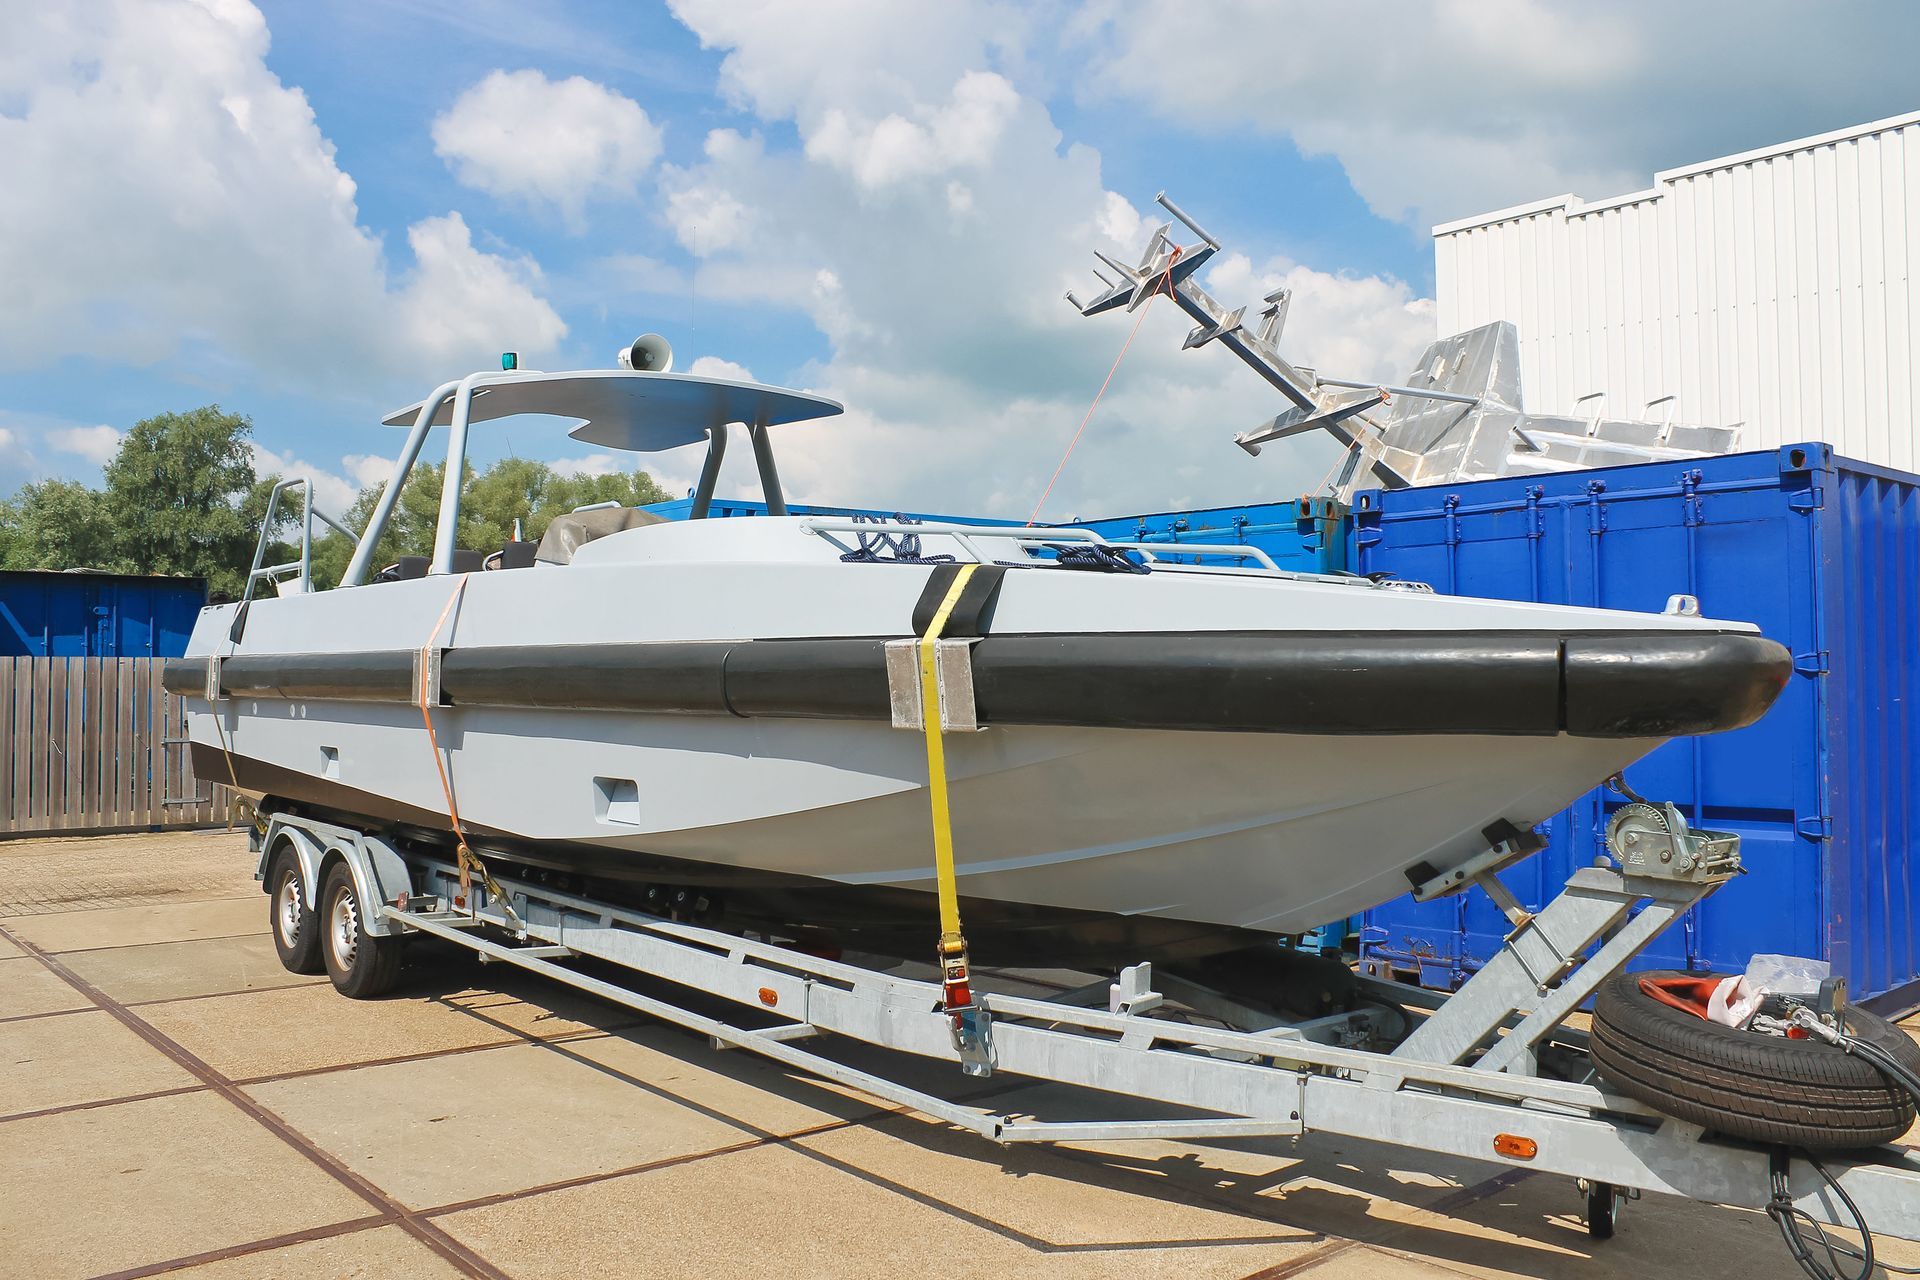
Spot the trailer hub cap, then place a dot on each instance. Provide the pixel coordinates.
(287, 910)
(345, 927)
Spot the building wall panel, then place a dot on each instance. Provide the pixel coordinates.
(1776, 289)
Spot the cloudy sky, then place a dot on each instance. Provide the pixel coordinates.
(313, 211)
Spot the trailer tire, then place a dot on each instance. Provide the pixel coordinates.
(294, 925)
(362, 965)
(1797, 1093)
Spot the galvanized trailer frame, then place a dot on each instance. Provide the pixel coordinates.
(1257, 1080)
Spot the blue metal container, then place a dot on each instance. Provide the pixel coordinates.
(96, 615)
(1307, 535)
(1823, 554)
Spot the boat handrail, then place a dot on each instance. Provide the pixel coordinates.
(1028, 536)
(301, 569)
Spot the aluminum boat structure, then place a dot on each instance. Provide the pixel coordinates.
(719, 718)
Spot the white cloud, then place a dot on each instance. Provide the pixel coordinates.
(555, 143)
(97, 444)
(932, 254)
(165, 190)
(331, 493)
(961, 133)
(366, 469)
(460, 300)
(1442, 110)
(715, 367)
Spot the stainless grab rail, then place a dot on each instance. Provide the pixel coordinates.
(1026, 536)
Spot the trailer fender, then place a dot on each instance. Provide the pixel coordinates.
(305, 848)
(379, 876)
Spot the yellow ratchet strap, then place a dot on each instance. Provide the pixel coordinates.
(953, 944)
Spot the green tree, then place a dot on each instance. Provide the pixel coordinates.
(628, 488)
(511, 489)
(184, 498)
(60, 524)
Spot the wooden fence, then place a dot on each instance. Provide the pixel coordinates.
(83, 748)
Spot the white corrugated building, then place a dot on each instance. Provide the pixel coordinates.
(1778, 288)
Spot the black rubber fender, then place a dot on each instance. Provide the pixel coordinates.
(1797, 1093)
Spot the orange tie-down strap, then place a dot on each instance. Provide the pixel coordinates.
(469, 862)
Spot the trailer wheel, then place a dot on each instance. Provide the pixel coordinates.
(1602, 1206)
(362, 965)
(1796, 1093)
(296, 935)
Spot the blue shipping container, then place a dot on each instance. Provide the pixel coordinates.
(1823, 554)
(1307, 535)
(96, 615)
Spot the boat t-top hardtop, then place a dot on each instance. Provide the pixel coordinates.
(638, 409)
(781, 723)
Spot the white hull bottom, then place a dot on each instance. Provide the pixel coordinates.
(1272, 832)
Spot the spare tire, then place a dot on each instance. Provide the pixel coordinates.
(1796, 1093)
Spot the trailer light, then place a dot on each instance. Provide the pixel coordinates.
(1515, 1147)
(769, 997)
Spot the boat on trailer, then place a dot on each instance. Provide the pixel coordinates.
(721, 719)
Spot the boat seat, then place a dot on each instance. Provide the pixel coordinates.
(567, 534)
(515, 555)
(408, 567)
(405, 568)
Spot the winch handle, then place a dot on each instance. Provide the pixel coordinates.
(1618, 785)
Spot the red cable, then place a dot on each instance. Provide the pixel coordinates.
(1166, 282)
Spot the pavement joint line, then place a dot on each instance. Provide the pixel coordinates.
(217, 995)
(588, 1033)
(425, 1055)
(1027, 1240)
(876, 1112)
(350, 1226)
(50, 1013)
(1444, 1206)
(168, 942)
(419, 1228)
(143, 902)
(98, 1103)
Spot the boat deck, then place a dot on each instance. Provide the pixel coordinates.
(171, 1098)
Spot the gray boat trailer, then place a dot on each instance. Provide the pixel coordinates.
(1256, 1080)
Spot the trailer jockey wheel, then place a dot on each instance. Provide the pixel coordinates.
(296, 933)
(361, 964)
(1603, 1200)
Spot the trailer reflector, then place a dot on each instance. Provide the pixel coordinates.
(1515, 1147)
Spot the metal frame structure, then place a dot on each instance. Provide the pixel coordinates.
(1458, 416)
(301, 569)
(1028, 537)
(1435, 1091)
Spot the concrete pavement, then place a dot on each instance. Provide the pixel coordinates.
(171, 1100)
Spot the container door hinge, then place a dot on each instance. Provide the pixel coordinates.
(1815, 828)
(1811, 664)
(1811, 498)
